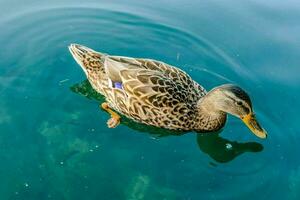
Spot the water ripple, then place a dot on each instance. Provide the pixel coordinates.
(36, 57)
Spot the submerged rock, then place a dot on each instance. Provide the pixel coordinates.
(138, 187)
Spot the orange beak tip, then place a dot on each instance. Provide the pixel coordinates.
(254, 126)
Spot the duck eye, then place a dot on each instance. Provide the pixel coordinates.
(239, 103)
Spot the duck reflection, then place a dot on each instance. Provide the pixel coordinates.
(220, 149)
(223, 150)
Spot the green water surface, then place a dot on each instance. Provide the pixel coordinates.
(54, 142)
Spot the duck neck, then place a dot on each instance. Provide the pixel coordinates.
(209, 117)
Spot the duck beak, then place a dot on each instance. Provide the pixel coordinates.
(254, 126)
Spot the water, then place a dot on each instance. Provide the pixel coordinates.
(54, 143)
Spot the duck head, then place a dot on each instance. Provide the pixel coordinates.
(232, 99)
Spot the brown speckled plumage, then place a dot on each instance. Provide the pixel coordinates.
(159, 94)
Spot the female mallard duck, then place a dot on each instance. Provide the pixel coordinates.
(161, 95)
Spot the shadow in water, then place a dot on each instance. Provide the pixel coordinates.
(220, 149)
(223, 150)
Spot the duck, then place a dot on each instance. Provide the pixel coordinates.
(161, 95)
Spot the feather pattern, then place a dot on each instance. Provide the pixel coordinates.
(150, 91)
(153, 92)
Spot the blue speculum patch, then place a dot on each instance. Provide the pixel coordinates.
(118, 85)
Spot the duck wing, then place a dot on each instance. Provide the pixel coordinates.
(150, 85)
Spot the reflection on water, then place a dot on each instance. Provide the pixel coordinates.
(54, 144)
(223, 150)
(218, 148)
